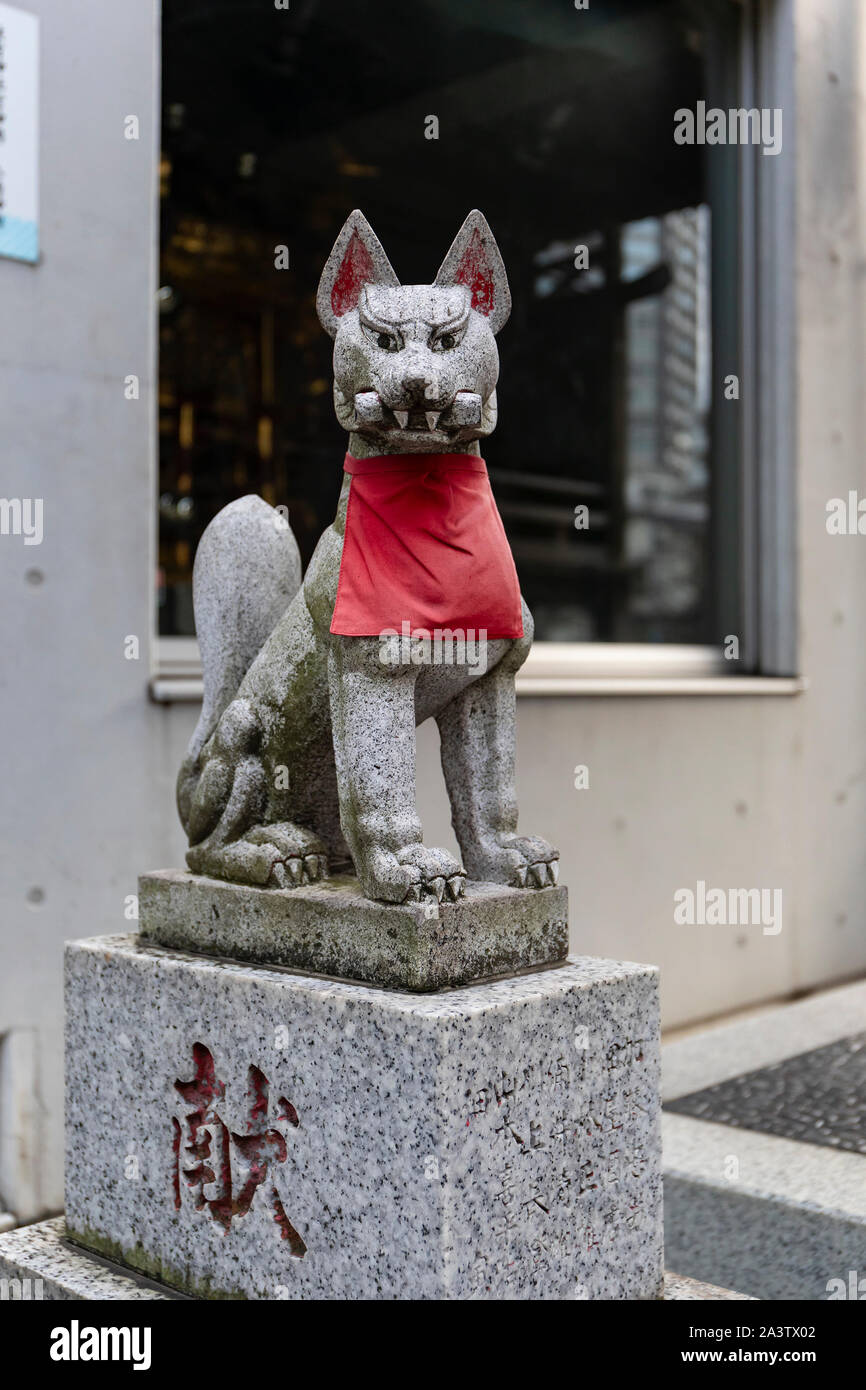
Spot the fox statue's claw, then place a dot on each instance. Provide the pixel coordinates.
(290, 873)
(439, 888)
(454, 886)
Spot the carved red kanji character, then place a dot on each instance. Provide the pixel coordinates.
(210, 1146)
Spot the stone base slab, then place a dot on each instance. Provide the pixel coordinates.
(40, 1263)
(235, 1131)
(331, 929)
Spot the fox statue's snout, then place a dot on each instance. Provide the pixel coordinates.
(415, 366)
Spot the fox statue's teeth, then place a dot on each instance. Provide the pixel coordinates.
(432, 418)
(402, 418)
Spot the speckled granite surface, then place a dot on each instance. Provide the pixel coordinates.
(681, 1290)
(240, 1131)
(48, 1267)
(57, 1270)
(330, 928)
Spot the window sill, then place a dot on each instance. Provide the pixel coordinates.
(552, 668)
(660, 685)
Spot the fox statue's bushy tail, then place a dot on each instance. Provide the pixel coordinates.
(247, 571)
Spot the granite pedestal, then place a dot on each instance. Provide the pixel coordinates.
(38, 1262)
(241, 1131)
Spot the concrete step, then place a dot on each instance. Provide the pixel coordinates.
(764, 1137)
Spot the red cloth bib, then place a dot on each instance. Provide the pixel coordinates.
(424, 544)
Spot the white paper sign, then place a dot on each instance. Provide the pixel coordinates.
(19, 134)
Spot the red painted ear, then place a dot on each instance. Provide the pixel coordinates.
(356, 260)
(356, 267)
(474, 260)
(474, 272)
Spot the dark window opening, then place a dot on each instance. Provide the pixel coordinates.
(558, 124)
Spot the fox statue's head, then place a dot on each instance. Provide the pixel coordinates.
(415, 366)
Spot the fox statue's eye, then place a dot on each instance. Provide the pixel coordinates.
(445, 342)
(387, 341)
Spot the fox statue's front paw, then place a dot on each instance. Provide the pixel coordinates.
(522, 861)
(412, 874)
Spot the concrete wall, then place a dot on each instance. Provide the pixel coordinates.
(740, 791)
(79, 806)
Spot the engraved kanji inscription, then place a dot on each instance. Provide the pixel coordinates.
(565, 1159)
(224, 1170)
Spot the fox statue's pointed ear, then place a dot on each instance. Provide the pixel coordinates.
(357, 259)
(474, 260)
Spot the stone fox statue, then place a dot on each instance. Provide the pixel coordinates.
(304, 755)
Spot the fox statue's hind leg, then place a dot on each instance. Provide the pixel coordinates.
(228, 838)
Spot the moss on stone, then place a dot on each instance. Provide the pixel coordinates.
(141, 1261)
